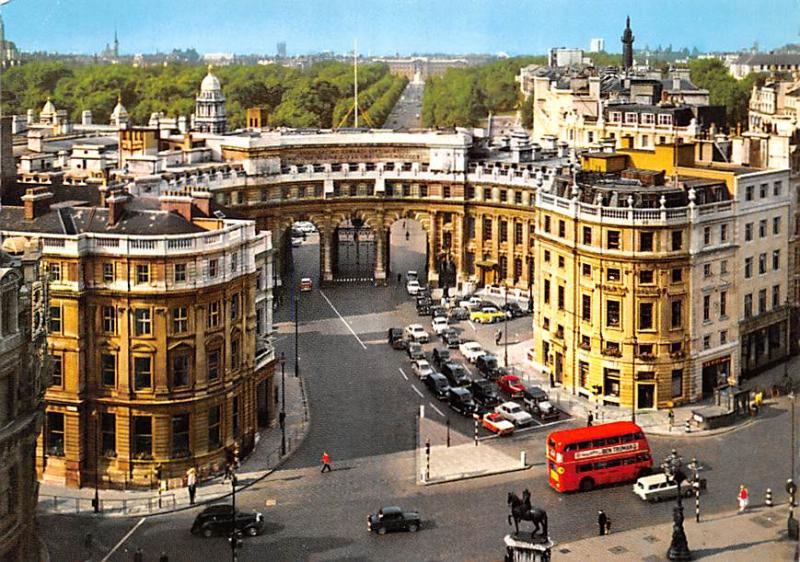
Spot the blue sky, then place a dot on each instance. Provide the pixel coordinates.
(389, 26)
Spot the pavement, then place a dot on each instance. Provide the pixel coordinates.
(265, 458)
(757, 534)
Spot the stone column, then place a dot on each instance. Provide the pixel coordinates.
(326, 244)
(380, 240)
(458, 242)
(433, 249)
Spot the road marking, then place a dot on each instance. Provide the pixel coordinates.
(471, 325)
(123, 539)
(417, 391)
(438, 411)
(324, 296)
(403, 373)
(271, 502)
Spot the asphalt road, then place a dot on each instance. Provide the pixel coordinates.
(406, 112)
(363, 413)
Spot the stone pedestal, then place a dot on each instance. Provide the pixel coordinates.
(520, 548)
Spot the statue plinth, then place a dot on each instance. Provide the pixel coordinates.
(521, 547)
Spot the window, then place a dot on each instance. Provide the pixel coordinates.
(646, 276)
(179, 275)
(723, 304)
(762, 228)
(57, 370)
(776, 296)
(213, 267)
(776, 260)
(143, 321)
(613, 240)
(213, 314)
(748, 193)
(108, 430)
(561, 297)
(676, 320)
(677, 275)
(677, 240)
(762, 263)
(517, 233)
(212, 364)
(109, 319)
(776, 225)
(748, 232)
(586, 342)
(180, 436)
(236, 354)
(180, 319)
(631, 118)
(55, 271)
(108, 272)
(503, 231)
(108, 370)
(55, 434)
(706, 308)
(234, 307)
(487, 228)
(143, 273)
(723, 232)
(142, 437)
(180, 369)
(706, 342)
(777, 187)
(762, 301)
(613, 313)
(547, 256)
(470, 227)
(707, 235)
(546, 291)
(645, 316)
(677, 383)
(213, 427)
(762, 190)
(583, 373)
(748, 267)
(586, 307)
(723, 267)
(142, 373)
(646, 241)
(234, 262)
(611, 386)
(547, 223)
(723, 337)
(664, 119)
(235, 416)
(55, 324)
(561, 262)
(562, 228)
(587, 235)
(613, 274)
(586, 269)
(748, 305)
(706, 270)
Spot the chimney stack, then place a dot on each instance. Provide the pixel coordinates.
(115, 200)
(37, 202)
(179, 202)
(201, 200)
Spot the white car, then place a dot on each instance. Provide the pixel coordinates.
(439, 325)
(421, 368)
(415, 332)
(297, 242)
(471, 350)
(656, 487)
(305, 226)
(470, 303)
(514, 413)
(412, 275)
(412, 287)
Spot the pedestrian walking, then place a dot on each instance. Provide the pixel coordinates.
(743, 497)
(326, 462)
(163, 557)
(589, 420)
(191, 483)
(608, 525)
(399, 278)
(602, 519)
(671, 416)
(498, 336)
(138, 556)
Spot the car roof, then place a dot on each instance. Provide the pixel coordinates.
(391, 509)
(653, 478)
(218, 508)
(488, 356)
(437, 376)
(459, 390)
(510, 403)
(305, 279)
(535, 391)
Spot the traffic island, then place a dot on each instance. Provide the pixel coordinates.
(444, 455)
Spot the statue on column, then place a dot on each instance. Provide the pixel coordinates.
(522, 510)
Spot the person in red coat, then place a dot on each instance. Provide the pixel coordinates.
(743, 497)
(326, 462)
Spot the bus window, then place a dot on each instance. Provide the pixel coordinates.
(584, 467)
(612, 464)
(627, 438)
(585, 445)
(612, 440)
(552, 444)
(570, 447)
(598, 443)
(638, 435)
(600, 465)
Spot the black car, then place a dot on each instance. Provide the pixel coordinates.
(440, 356)
(460, 400)
(513, 310)
(395, 338)
(438, 385)
(393, 519)
(437, 311)
(538, 403)
(424, 308)
(415, 351)
(456, 374)
(484, 393)
(218, 520)
(458, 313)
(488, 365)
(451, 338)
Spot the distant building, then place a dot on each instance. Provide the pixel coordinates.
(9, 55)
(421, 67)
(597, 45)
(210, 114)
(763, 62)
(219, 59)
(111, 52)
(560, 57)
(281, 52)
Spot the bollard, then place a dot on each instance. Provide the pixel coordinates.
(687, 427)
(768, 497)
(523, 458)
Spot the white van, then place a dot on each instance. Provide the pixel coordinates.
(656, 487)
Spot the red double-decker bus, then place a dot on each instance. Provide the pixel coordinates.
(585, 457)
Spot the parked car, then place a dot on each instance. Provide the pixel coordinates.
(440, 356)
(415, 351)
(297, 241)
(305, 226)
(460, 400)
(656, 487)
(513, 310)
(421, 368)
(469, 302)
(438, 385)
(412, 287)
(412, 275)
(451, 338)
(487, 315)
(511, 385)
(393, 518)
(458, 313)
(538, 403)
(218, 520)
(456, 374)
(484, 393)
(437, 311)
(439, 325)
(496, 423)
(488, 365)
(424, 308)
(471, 350)
(395, 338)
(514, 413)
(415, 332)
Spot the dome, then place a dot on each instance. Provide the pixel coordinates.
(210, 83)
(119, 110)
(15, 245)
(49, 108)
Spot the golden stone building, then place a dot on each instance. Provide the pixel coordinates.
(157, 358)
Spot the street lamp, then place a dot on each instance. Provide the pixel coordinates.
(282, 417)
(234, 533)
(633, 381)
(505, 309)
(96, 500)
(673, 469)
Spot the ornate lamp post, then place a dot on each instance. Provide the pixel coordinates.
(282, 416)
(96, 500)
(673, 469)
